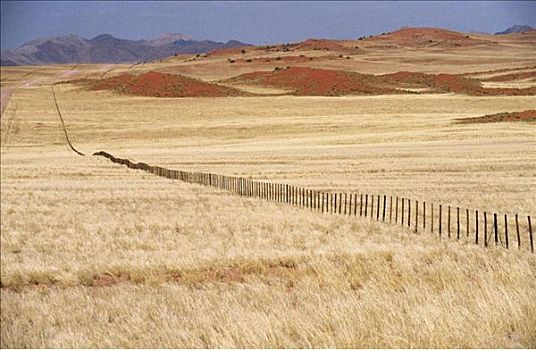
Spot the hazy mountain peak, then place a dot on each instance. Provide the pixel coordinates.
(56, 39)
(518, 28)
(103, 37)
(168, 38)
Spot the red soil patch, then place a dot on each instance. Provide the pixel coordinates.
(305, 81)
(464, 85)
(322, 82)
(161, 85)
(455, 83)
(419, 37)
(415, 79)
(525, 116)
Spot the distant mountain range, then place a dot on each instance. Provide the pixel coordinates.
(107, 49)
(516, 29)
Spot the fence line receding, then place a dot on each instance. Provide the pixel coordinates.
(373, 206)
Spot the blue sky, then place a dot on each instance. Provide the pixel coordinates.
(253, 22)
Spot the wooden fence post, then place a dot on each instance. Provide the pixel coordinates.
(457, 222)
(495, 228)
(366, 204)
(396, 211)
(416, 216)
(423, 215)
(371, 206)
(378, 209)
(518, 236)
(476, 227)
(530, 235)
(350, 205)
(506, 229)
(440, 221)
(361, 205)
(409, 212)
(485, 229)
(432, 217)
(340, 203)
(345, 203)
(384, 203)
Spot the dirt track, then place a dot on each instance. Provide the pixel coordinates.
(6, 93)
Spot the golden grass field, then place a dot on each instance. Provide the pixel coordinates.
(97, 255)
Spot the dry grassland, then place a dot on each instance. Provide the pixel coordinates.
(95, 254)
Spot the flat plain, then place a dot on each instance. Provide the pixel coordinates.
(95, 254)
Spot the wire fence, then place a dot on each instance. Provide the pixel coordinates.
(478, 226)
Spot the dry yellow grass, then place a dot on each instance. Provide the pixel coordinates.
(96, 255)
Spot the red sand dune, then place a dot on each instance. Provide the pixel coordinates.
(162, 85)
(322, 82)
(455, 83)
(416, 37)
(525, 116)
(305, 81)
(410, 78)
(302, 81)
